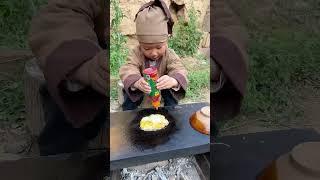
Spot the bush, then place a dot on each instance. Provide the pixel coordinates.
(186, 36)
(118, 49)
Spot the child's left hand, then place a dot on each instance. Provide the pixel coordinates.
(166, 82)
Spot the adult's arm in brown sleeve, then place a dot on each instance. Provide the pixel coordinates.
(229, 44)
(62, 37)
(229, 51)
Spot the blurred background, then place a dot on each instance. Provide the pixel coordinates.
(284, 54)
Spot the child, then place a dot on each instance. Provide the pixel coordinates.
(153, 25)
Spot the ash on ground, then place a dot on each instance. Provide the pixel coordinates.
(173, 169)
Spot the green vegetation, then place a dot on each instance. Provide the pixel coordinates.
(199, 83)
(118, 49)
(284, 51)
(11, 100)
(15, 17)
(185, 41)
(186, 36)
(278, 63)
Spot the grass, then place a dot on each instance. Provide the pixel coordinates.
(118, 49)
(284, 51)
(11, 100)
(198, 84)
(15, 17)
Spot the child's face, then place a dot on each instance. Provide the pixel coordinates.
(153, 51)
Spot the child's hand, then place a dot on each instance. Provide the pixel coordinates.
(166, 82)
(142, 85)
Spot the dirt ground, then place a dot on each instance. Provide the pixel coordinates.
(308, 101)
(311, 106)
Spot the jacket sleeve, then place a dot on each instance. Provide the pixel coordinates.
(229, 44)
(176, 69)
(130, 72)
(62, 37)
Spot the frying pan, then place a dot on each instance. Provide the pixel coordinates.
(151, 137)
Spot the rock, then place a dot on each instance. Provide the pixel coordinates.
(206, 21)
(205, 52)
(205, 42)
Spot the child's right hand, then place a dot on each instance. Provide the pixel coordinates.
(142, 85)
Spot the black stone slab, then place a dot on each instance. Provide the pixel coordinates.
(182, 141)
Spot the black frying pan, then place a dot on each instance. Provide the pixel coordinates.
(151, 137)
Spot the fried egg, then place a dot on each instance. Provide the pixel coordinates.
(153, 122)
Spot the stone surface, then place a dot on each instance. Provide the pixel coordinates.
(205, 41)
(206, 21)
(205, 52)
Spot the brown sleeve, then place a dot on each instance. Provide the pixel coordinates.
(130, 72)
(229, 44)
(62, 37)
(176, 70)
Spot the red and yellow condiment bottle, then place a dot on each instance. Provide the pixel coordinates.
(151, 76)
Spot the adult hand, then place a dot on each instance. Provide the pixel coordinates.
(94, 73)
